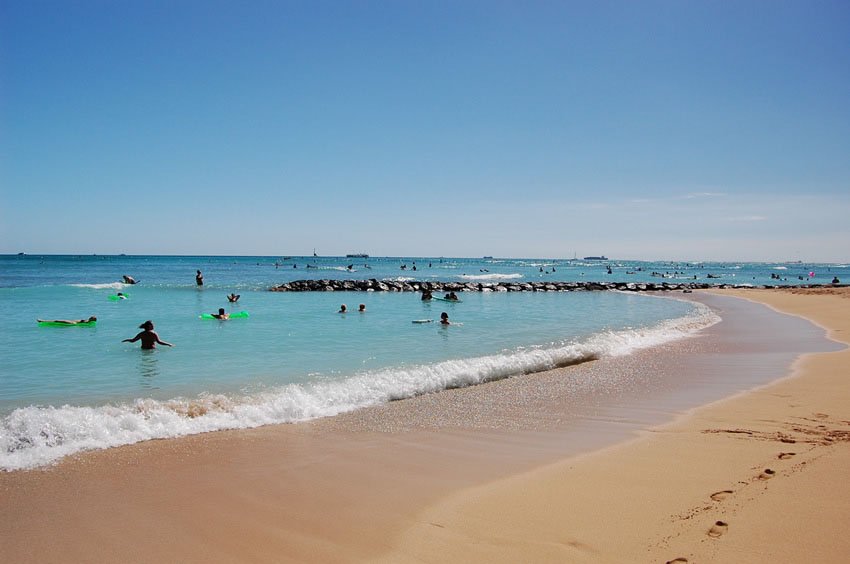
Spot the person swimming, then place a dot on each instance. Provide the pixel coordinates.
(148, 337)
(128, 279)
(221, 314)
(342, 309)
(362, 308)
(233, 298)
(91, 319)
(444, 319)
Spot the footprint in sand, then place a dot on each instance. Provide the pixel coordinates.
(767, 474)
(786, 455)
(721, 495)
(718, 529)
(677, 561)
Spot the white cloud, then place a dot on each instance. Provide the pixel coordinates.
(693, 195)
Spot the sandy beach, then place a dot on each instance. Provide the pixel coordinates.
(505, 472)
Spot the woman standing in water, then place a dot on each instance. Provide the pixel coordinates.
(148, 337)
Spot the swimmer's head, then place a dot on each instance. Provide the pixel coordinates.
(146, 325)
(92, 318)
(221, 311)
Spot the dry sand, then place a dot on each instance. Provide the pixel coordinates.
(408, 483)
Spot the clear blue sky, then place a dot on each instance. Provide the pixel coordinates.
(655, 130)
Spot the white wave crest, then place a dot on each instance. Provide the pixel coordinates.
(489, 276)
(105, 286)
(35, 436)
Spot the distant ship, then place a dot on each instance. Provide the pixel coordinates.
(357, 255)
(603, 257)
(488, 257)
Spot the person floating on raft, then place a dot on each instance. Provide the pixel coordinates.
(148, 337)
(90, 321)
(222, 315)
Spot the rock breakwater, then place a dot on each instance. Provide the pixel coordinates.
(375, 285)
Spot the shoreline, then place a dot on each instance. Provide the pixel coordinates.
(756, 477)
(303, 490)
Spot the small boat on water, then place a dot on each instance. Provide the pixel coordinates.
(357, 255)
(602, 257)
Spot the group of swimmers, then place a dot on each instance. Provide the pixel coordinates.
(444, 317)
(150, 338)
(450, 297)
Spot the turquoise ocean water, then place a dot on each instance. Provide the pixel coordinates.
(67, 389)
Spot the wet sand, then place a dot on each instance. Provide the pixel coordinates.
(490, 473)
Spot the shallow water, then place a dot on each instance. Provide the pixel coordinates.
(64, 389)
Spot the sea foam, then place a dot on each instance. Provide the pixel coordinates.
(490, 276)
(37, 435)
(104, 286)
